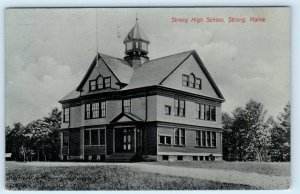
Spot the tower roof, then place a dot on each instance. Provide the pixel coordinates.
(136, 33)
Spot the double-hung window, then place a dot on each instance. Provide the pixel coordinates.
(179, 107)
(179, 136)
(95, 110)
(66, 115)
(127, 105)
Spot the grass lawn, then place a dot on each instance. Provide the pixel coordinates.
(268, 168)
(110, 177)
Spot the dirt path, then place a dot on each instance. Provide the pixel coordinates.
(226, 176)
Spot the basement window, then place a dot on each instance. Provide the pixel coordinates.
(165, 157)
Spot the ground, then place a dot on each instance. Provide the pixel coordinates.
(146, 176)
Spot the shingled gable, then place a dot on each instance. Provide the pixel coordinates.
(155, 72)
(118, 67)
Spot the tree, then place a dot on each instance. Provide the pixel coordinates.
(39, 139)
(280, 138)
(246, 134)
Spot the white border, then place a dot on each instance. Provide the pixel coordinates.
(97, 3)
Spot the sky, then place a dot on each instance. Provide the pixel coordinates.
(48, 51)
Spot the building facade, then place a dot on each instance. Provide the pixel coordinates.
(137, 109)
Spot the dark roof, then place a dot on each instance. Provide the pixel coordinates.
(154, 71)
(136, 33)
(159, 69)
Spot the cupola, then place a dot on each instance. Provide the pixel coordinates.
(136, 46)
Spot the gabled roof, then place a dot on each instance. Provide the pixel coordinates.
(131, 118)
(119, 68)
(151, 73)
(160, 69)
(154, 71)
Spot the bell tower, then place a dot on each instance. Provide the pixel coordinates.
(136, 46)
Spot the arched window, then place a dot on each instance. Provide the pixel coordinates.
(100, 82)
(192, 80)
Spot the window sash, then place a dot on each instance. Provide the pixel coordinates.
(179, 136)
(198, 83)
(100, 83)
(92, 85)
(214, 143)
(185, 80)
(66, 118)
(179, 107)
(95, 110)
(127, 105)
(213, 113)
(107, 82)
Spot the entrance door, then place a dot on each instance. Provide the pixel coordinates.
(124, 141)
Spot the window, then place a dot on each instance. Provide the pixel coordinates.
(198, 138)
(213, 139)
(66, 138)
(94, 137)
(95, 110)
(66, 117)
(100, 82)
(127, 105)
(203, 141)
(207, 112)
(136, 45)
(191, 81)
(107, 82)
(179, 157)
(198, 84)
(208, 139)
(88, 111)
(165, 157)
(167, 110)
(185, 80)
(201, 158)
(195, 158)
(198, 111)
(213, 113)
(92, 85)
(129, 46)
(166, 140)
(179, 107)
(103, 109)
(202, 111)
(179, 136)
(92, 110)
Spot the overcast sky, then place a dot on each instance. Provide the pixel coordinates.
(48, 52)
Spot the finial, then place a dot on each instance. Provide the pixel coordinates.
(136, 17)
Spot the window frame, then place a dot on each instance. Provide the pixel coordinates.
(185, 81)
(178, 137)
(104, 82)
(100, 140)
(169, 112)
(66, 115)
(91, 111)
(164, 139)
(127, 106)
(178, 108)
